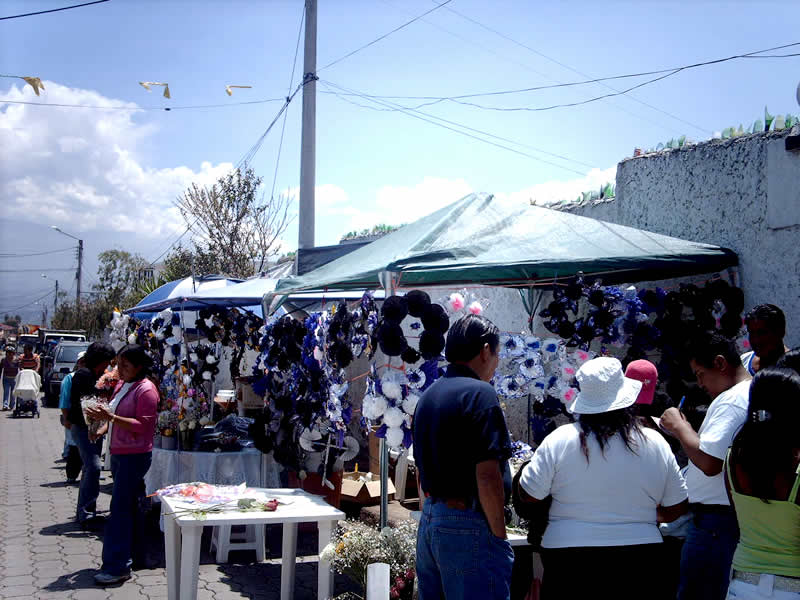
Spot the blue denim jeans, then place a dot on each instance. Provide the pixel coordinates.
(125, 524)
(707, 556)
(8, 391)
(458, 557)
(90, 479)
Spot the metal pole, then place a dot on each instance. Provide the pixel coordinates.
(55, 301)
(389, 282)
(308, 149)
(78, 274)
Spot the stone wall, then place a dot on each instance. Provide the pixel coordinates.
(743, 194)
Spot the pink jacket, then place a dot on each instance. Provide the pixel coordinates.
(140, 403)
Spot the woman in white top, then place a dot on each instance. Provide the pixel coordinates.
(611, 483)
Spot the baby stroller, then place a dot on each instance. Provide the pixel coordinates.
(27, 392)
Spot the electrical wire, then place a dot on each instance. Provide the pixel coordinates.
(11, 255)
(180, 237)
(673, 70)
(19, 297)
(27, 304)
(384, 36)
(52, 10)
(135, 108)
(422, 116)
(569, 68)
(33, 270)
(479, 131)
(474, 43)
(286, 113)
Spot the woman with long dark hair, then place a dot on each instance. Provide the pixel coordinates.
(611, 482)
(131, 419)
(763, 478)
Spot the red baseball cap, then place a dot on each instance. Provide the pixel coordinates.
(646, 372)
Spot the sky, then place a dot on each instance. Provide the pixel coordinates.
(111, 176)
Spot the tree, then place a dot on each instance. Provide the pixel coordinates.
(119, 275)
(236, 231)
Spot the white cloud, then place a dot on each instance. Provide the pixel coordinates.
(80, 168)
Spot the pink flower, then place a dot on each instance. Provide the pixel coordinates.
(746, 343)
(457, 301)
(476, 308)
(569, 395)
(582, 355)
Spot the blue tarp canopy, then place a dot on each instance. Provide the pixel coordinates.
(172, 293)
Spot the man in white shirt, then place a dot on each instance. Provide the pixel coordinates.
(713, 534)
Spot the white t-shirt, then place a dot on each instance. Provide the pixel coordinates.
(725, 417)
(610, 500)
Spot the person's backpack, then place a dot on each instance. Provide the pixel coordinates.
(536, 513)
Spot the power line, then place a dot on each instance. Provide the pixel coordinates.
(419, 115)
(48, 270)
(52, 10)
(286, 113)
(384, 36)
(473, 42)
(10, 255)
(135, 108)
(670, 71)
(479, 131)
(18, 297)
(180, 237)
(569, 68)
(27, 304)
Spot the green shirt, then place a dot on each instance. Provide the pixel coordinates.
(769, 539)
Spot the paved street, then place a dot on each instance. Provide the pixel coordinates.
(44, 554)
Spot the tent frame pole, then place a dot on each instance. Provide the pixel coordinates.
(389, 281)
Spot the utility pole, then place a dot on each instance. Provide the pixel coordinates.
(308, 148)
(55, 301)
(78, 275)
(80, 265)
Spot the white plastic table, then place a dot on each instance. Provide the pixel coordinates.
(182, 539)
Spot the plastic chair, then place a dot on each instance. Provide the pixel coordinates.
(223, 539)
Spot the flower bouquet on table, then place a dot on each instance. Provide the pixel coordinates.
(356, 545)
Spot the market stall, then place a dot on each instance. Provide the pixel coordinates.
(480, 240)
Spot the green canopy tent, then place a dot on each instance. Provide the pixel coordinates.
(481, 240)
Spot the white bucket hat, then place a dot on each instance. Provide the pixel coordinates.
(604, 387)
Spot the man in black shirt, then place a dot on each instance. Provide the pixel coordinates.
(461, 448)
(96, 360)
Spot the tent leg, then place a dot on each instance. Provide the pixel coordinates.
(384, 457)
(389, 281)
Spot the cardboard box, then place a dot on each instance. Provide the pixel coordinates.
(358, 492)
(246, 398)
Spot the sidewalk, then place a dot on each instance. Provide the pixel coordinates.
(44, 554)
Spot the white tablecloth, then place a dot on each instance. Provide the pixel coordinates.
(223, 468)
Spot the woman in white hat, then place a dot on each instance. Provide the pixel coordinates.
(611, 483)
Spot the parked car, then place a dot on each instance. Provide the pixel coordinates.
(65, 355)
